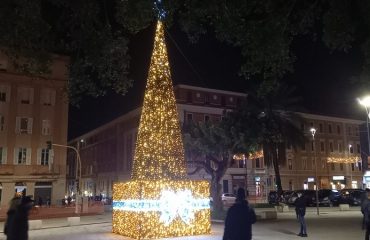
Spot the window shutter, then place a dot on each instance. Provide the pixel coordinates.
(31, 91)
(39, 156)
(52, 97)
(29, 125)
(51, 156)
(5, 156)
(15, 156)
(28, 156)
(17, 125)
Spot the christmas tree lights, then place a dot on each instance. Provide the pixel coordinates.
(160, 201)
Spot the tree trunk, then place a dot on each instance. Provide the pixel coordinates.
(216, 194)
(275, 163)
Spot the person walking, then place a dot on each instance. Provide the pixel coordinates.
(239, 219)
(300, 209)
(17, 226)
(13, 205)
(364, 203)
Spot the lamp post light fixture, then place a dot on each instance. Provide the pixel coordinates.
(313, 131)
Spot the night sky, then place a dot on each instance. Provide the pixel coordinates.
(322, 78)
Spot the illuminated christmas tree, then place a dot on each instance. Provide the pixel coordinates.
(160, 201)
(159, 150)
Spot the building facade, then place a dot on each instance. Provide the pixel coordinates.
(107, 152)
(33, 110)
(334, 137)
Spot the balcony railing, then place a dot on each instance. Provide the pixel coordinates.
(10, 169)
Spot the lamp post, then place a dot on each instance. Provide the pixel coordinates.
(78, 173)
(350, 164)
(366, 103)
(313, 131)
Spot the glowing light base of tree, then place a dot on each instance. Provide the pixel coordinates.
(161, 208)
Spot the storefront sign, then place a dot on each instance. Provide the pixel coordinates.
(310, 179)
(338, 178)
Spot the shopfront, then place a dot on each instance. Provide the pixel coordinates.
(338, 182)
(366, 179)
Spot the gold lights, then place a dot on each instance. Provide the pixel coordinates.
(160, 201)
(159, 149)
(339, 158)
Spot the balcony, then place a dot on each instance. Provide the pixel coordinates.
(19, 170)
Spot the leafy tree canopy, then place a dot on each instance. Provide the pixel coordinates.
(96, 33)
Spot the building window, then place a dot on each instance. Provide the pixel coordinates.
(21, 156)
(338, 129)
(302, 127)
(329, 128)
(341, 166)
(2, 155)
(356, 131)
(189, 117)
(331, 147)
(23, 125)
(214, 97)
(231, 99)
(258, 163)
(358, 148)
(313, 163)
(321, 129)
(206, 118)
(45, 155)
(198, 95)
(25, 95)
(349, 131)
(189, 97)
(322, 146)
(332, 166)
(350, 148)
(290, 165)
(311, 124)
(353, 167)
(2, 123)
(206, 99)
(47, 97)
(312, 146)
(339, 147)
(45, 129)
(304, 163)
(4, 93)
(359, 166)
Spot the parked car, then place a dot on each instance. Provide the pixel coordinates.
(352, 196)
(329, 197)
(273, 197)
(228, 198)
(308, 194)
(285, 196)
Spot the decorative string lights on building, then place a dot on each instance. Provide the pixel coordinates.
(160, 201)
(342, 158)
(251, 156)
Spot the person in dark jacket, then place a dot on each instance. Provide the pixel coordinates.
(300, 209)
(17, 227)
(239, 219)
(13, 205)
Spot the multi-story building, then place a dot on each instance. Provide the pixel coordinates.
(33, 110)
(107, 152)
(335, 137)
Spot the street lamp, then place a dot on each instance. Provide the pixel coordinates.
(366, 103)
(350, 164)
(313, 131)
(78, 173)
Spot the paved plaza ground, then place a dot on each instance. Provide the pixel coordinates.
(331, 224)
